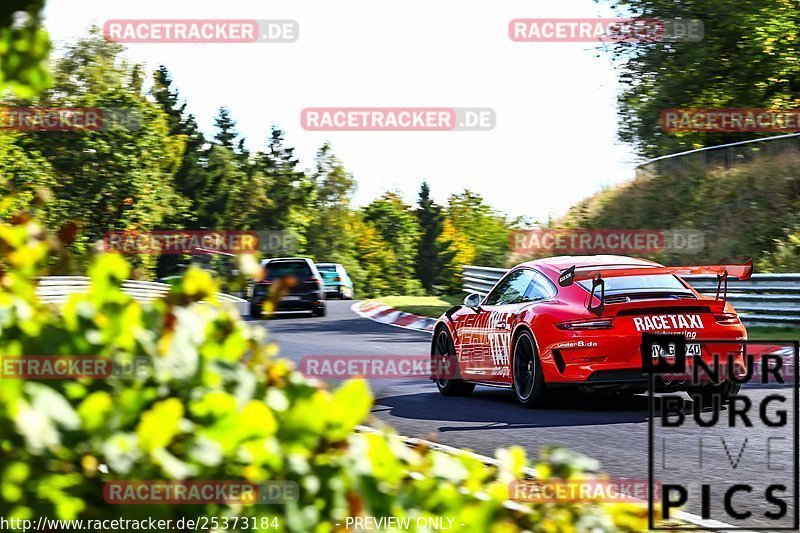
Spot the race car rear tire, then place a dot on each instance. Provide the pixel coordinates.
(444, 348)
(526, 372)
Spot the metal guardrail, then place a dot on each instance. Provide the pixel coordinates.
(56, 289)
(723, 155)
(763, 300)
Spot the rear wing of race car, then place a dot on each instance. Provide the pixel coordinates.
(571, 275)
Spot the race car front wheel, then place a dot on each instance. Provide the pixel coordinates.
(528, 382)
(446, 366)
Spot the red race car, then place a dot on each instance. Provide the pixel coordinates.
(579, 321)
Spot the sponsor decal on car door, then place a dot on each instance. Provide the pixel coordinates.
(472, 339)
(500, 340)
(485, 341)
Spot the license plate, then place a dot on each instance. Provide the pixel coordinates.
(290, 298)
(692, 349)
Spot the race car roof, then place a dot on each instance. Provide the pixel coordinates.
(561, 262)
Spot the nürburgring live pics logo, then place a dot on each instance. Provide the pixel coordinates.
(738, 461)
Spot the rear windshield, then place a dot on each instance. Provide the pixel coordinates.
(282, 269)
(659, 282)
(326, 268)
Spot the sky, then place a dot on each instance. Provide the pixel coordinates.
(554, 141)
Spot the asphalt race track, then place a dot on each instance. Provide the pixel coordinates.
(612, 430)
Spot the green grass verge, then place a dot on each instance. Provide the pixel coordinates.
(432, 306)
(777, 334)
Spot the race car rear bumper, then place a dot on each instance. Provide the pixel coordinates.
(617, 359)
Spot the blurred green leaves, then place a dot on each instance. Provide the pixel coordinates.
(24, 48)
(215, 404)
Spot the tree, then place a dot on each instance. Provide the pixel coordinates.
(190, 179)
(227, 128)
(233, 198)
(167, 98)
(328, 238)
(120, 177)
(746, 58)
(397, 226)
(462, 252)
(376, 274)
(223, 176)
(475, 233)
(290, 191)
(234, 195)
(432, 252)
(487, 229)
(24, 176)
(24, 48)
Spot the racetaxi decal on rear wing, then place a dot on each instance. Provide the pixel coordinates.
(663, 322)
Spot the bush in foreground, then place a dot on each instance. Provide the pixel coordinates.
(213, 402)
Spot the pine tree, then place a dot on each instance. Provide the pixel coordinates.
(167, 99)
(432, 253)
(227, 128)
(289, 189)
(190, 180)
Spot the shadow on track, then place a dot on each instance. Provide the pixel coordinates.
(497, 409)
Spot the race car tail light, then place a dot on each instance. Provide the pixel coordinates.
(585, 324)
(727, 318)
(337, 278)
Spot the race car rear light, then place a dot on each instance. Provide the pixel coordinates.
(337, 278)
(585, 324)
(727, 318)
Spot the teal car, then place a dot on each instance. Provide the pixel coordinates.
(337, 283)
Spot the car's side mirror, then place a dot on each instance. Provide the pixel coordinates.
(473, 300)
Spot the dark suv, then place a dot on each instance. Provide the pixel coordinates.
(297, 283)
